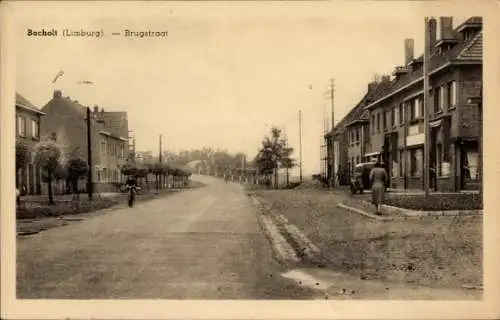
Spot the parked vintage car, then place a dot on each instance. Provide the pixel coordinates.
(360, 180)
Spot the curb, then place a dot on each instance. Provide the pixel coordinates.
(366, 214)
(441, 213)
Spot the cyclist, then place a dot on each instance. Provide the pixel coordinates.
(131, 185)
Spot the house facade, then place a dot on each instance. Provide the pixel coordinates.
(28, 119)
(65, 122)
(396, 119)
(348, 141)
(391, 126)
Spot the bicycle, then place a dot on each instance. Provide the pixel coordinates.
(131, 195)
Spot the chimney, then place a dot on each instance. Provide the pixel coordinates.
(432, 34)
(446, 24)
(57, 94)
(96, 108)
(409, 44)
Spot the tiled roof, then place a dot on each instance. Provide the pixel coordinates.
(474, 51)
(23, 102)
(358, 110)
(470, 50)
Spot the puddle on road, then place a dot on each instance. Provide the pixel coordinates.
(333, 285)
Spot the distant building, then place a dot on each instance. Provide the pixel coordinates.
(28, 119)
(66, 121)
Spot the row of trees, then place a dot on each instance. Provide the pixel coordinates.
(56, 167)
(161, 172)
(215, 162)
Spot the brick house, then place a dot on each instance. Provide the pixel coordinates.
(65, 121)
(396, 122)
(28, 119)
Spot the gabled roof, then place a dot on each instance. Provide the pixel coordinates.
(468, 50)
(358, 111)
(22, 102)
(67, 103)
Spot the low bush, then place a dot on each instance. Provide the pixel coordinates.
(436, 202)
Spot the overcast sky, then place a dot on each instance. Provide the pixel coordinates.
(224, 72)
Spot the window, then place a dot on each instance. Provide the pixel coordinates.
(438, 99)
(121, 152)
(103, 148)
(357, 159)
(35, 132)
(452, 94)
(21, 126)
(395, 116)
(378, 122)
(401, 113)
(416, 162)
(373, 124)
(420, 102)
(401, 160)
(357, 136)
(384, 120)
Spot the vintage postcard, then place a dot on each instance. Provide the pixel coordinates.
(249, 159)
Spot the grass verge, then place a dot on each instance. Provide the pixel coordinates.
(441, 252)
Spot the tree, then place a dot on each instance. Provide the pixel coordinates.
(48, 155)
(273, 154)
(129, 169)
(77, 168)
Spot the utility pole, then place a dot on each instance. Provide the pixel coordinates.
(300, 145)
(332, 96)
(159, 155)
(89, 155)
(426, 108)
(333, 169)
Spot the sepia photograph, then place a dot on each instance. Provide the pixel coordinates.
(249, 151)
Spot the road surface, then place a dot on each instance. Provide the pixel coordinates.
(198, 244)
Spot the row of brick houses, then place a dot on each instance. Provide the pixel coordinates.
(64, 120)
(388, 124)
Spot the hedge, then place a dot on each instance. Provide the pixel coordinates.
(436, 202)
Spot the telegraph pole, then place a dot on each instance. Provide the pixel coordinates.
(332, 96)
(426, 108)
(89, 155)
(333, 169)
(300, 145)
(159, 155)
